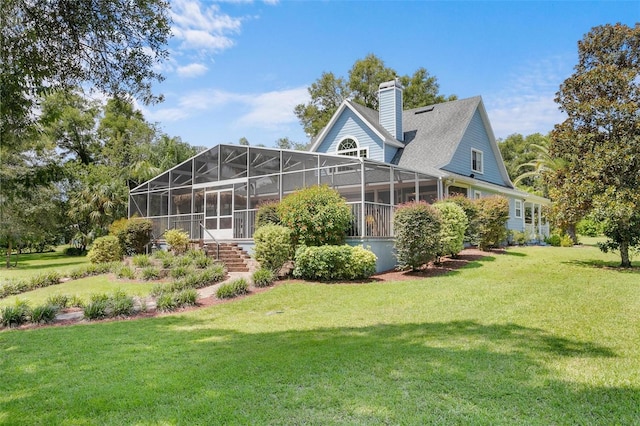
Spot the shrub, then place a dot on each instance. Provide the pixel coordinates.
(44, 313)
(44, 280)
(126, 272)
(186, 297)
(590, 228)
(105, 249)
(493, 213)
(96, 309)
(566, 241)
(417, 234)
(137, 235)
(59, 300)
(76, 301)
(454, 224)
(263, 277)
(232, 289)
(180, 271)
(362, 263)
(150, 273)
(15, 315)
(99, 297)
(518, 237)
(166, 302)
(141, 260)
(329, 263)
(267, 214)
(273, 246)
(316, 215)
(182, 261)
(471, 211)
(202, 262)
(165, 257)
(120, 304)
(177, 239)
(74, 251)
(553, 240)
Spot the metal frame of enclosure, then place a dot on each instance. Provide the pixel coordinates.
(218, 191)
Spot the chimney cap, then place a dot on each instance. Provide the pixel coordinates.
(391, 84)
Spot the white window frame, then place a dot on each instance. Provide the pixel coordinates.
(517, 208)
(352, 152)
(475, 153)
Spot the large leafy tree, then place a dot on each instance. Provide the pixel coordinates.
(365, 76)
(600, 139)
(519, 152)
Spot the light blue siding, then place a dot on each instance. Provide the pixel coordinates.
(476, 137)
(389, 153)
(350, 125)
(382, 248)
(390, 103)
(516, 224)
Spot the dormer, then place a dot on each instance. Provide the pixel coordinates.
(390, 107)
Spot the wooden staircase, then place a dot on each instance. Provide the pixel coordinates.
(234, 258)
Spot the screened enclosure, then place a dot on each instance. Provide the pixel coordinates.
(216, 193)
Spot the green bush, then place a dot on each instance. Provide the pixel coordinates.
(566, 241)
(518, 237)
(125, 272)
(182, 261)
(232, 289)
(267, 214)
(454, 224)
(137, 235)
(493, 214)
(553, 240)
(13, 286)
(59, 300)
(186, 297)
(44, 280)
(150, 273)
(202, 262)
(16, 314)
(471, 211)
(74, 251)
(141, 260)
(76, 301)
(180, 271)
(177, 239)
(166, 302)
(316, 215)
(417, 234)
(590, 228)
(99, 297)
(330, 263)
(44, 314)
(272, 246)
(95, 309)
(120, 304)
(105, 249)
(263, 277)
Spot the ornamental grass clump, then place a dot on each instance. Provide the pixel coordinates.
(16, 314)
(232, 289)
(263, 277)
(44, 314)
(141, 261)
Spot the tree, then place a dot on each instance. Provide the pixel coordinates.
(600, 139)
(286, 143)
(519, 154)
(365, 76)
(243, 141)
(112, 44)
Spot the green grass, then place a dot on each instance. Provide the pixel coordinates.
(540, 335)
(31, 264)
(82, 288)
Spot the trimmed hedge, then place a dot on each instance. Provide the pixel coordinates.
(273, 246)
(105, 249)
(417, 234)
(331, 263)
(454, 225)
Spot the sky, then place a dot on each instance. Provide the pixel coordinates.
(238, 68)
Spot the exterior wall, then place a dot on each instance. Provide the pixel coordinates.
(515, 223)
(350, 125)
(390, 103)
(476, 137)
(389, 153)
(382, 248)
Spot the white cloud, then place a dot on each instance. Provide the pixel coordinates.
(526, 105)
(273, 109)
(192, 70)
(203, 28)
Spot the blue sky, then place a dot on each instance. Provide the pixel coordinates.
(238, 68)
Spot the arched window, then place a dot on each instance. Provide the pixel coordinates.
(349, 146)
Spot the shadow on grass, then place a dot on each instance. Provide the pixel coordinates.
(514, 253)
(29, 267)
(174, 370)
(609, 265)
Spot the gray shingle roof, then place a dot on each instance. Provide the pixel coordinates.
(432, 133)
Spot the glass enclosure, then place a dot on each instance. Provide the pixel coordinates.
(216, 193)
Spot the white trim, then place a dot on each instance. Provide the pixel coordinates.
(220, 183)
(481, 169)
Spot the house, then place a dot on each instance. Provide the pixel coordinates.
(375, 159)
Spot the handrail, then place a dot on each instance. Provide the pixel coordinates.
(213, 238)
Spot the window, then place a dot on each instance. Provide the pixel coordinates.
(350, 148)
(477, 195)
(518, 209)
(476, 161)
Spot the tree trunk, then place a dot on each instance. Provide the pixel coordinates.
(624, 254)
(571, 232)
(9, 254)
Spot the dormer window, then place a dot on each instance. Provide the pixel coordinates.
(477, 165)
(350, 148)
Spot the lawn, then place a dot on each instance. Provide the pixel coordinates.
(30, 264)
(539, 335)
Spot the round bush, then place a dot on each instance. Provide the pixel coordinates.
(330, 263)
(267, 214)
(273, 246)
(417, 234)
(454, 225)
(105, 249)
(178, 240)
(44, 314)
(316, 215)
(493, 214)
